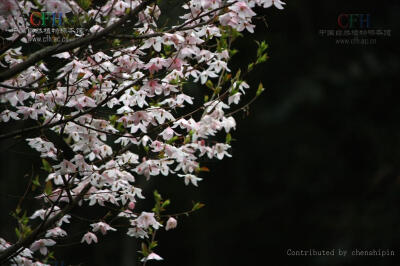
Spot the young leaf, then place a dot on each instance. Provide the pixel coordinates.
(260, 89)
(46, 166)
(228, 138)
(165, 203)
(48, 188)
(197, 206)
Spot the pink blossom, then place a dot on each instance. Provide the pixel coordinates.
(242, 10)
(155, 64)
(7, 7)
(137, 232)
(189, 178)
(220, 150)
(152, 256)
(42, 245)
(168, 133)
(277, 3)
(65, 167)
(57, 6)
(102, 227)
(7, 115)
(147, 219)
(89, 237)
(171, 224)
(153, 42)
(131, 205)
(56, 232)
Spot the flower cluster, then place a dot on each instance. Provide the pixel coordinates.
(126, 111)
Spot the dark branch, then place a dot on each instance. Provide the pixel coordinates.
(59, 48)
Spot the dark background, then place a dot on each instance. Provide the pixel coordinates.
(316, 163)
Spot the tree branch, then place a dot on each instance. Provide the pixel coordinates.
(9, 252)
(59, 48)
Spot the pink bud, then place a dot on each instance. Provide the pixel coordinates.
(171, 224)
(131, 205)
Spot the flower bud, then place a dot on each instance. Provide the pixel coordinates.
(131, 205)
(171, 224)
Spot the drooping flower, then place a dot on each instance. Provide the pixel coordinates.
(137, 232)
(151, 256)
(89, 237)
(147, 219)
(102, 227)
(56, 232)
(277, 3)
(221, 150)
(171, 224)
(42, 245)
(168, 133)
(189, 178)
(65, 167)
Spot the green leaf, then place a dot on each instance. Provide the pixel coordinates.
(232, 52)
(202, 169)
(167, 49)
(146, 149)
(261, 48)
(85, 4)
(233, 92)
(227, 77)
(48, 188)
(234, 33)
(42, 81)
(197, 206)
(18, 233)
(209, 84)
(46, 166)
(260, 89)
(36, 181)
(116, 42)
(24, 219)
(145, 250)
(153, 244)
(250, 67)
(187, 140)
(237, 76)
(228, 138)
(161, 155)
(80, 76)
(18, 209)
(26, 230)
(51, 255)
(166, 203)
(120, 127)
(172, 140)
(262, 59)
(113, 119)
(157, 196)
